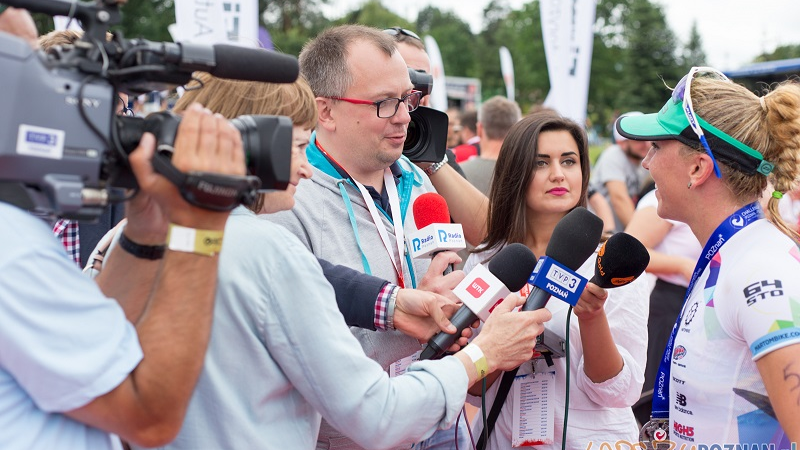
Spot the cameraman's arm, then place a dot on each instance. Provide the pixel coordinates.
(468, 206)
(19, 23)
(148, 407)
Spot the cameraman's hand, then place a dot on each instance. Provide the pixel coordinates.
(19, 23)
(205, 142)
(421, 314)
(434, 281)
(508, 337)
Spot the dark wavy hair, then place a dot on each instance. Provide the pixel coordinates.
(514, 171)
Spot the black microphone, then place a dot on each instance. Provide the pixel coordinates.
(621, 259)
(253, 64)
(574, 239)
(481, 290)
(221, 60)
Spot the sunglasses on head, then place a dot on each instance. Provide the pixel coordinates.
(394, 31)
(683, 93)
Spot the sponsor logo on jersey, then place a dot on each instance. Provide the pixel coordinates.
(678, 353)
(761, 290)
(685, 432)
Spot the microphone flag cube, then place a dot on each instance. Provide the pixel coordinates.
(480, 291)
(557, 280)
(436, 237)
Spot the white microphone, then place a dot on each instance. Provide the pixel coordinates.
(434, 232)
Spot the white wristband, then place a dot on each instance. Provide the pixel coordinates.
(478, 358)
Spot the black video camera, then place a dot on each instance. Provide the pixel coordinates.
(427, 133)
(64, 151)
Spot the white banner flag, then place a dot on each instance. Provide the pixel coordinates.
(216, 21)
(568, 34)
(507, 69)
(439, 91)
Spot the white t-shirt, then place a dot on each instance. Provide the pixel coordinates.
(62, 342)
(744, 305)
(614, 165)
(599, 412)
(679, 241)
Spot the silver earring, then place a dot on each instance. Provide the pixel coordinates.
(690, 185)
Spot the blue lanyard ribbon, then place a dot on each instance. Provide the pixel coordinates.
(730, 226)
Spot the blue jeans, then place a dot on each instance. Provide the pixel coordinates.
(446, 439)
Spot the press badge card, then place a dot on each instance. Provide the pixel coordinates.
(399, 367)
(534, 411)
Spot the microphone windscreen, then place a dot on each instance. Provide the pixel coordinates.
(429, 208)
(513, 266)
(253, 64)
(575, 238)
(621, 259)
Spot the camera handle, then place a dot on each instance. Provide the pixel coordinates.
(212, 191)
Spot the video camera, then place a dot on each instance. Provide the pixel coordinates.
(64, 151)
(427, 133)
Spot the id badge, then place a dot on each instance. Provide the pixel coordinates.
(400, 366)
(534, 409)
(655, 434)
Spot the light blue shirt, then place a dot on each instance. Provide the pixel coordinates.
(62, 342)
(281, 357)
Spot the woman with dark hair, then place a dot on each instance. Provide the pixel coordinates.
(731, 372)
(542, 173)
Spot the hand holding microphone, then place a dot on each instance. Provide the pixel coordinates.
(482, 289)
(620, 260)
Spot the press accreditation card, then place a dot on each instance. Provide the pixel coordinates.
(534, 411)
(399, 367)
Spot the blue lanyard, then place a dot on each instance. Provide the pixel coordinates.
(724, 232)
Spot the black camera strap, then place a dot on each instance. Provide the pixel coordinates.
(500, 399)
(212, 191)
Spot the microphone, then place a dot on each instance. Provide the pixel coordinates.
(434, 232)
(253, 64)
(575, 238)
(221, 60)
(621, 259)
(481, 290)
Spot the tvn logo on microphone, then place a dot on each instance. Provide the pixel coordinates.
(436, 237)
(477, 288)
(481, 291)
(557, 280)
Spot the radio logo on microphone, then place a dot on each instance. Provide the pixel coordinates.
(477, 288)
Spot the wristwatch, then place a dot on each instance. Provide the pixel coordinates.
(433, 168)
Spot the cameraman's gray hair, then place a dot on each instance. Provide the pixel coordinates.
(497, 115)
(323, 61)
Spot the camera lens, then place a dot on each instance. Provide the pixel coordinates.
(267, 142)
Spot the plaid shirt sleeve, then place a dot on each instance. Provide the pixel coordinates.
(381, 304)
(67, 232)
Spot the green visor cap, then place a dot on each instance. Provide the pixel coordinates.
(671, 123)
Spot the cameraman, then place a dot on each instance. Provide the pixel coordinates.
(72, 369)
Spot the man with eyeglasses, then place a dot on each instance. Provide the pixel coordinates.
(356, 208)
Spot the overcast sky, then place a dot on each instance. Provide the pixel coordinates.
(733, 31)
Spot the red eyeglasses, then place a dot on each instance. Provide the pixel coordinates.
(388, 107)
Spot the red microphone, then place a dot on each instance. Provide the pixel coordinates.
(434, 233)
